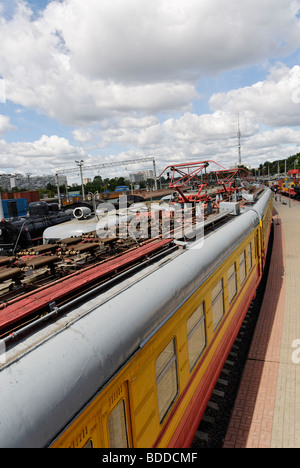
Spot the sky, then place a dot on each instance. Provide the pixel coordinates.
(114, 80)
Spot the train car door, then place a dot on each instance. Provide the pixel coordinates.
(116, 418)
(257, 253)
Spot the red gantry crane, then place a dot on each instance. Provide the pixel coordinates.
(182, 174)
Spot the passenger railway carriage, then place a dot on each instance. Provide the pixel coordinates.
(135, 365)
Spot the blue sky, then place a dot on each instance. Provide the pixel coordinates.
(109, 80)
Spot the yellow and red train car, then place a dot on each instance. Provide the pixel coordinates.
(135, 365)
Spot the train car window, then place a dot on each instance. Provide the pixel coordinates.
(217, 303)
(249, 256)
(232, 283)
(88, 444)
(166, 379)
(242, 267)
(196, 332)
(117, 427)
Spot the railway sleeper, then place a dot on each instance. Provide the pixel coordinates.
(223, 382)
(212, 405)
(208, 419)
(218, 393)
(225, 371)
(202, 436)
(229, 363)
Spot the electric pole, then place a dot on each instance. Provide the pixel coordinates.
(80, 163)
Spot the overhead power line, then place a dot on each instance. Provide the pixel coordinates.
(111, 164)
(99, 166)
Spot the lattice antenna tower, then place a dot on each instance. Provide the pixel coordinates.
(239, 142)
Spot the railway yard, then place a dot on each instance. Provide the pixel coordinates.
(59, 274)
(38, 267)
(149, 228)
(72, 266)
(250, 405)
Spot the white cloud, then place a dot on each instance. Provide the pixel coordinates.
(5, 125)
(82, 62)
(164, 142)
(205, 127)
(272, 102)
(204, 137)
(83, 135)
(271, 139)
(38, 156)
(138, 40)
(114, 69)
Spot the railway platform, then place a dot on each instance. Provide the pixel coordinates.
(267, 408)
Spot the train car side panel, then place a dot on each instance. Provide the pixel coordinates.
(205, 375)
(106, 422)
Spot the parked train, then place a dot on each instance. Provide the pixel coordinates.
(21, 232)
(135, 365)
(288, 185)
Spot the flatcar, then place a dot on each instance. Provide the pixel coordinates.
(135, 365)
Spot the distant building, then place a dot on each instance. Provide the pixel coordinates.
(28, 182)
(136, 178)
(149, 174)
(87, 180)
(141, 176)
(5, 181)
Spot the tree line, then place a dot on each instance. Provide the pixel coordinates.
(280, 166)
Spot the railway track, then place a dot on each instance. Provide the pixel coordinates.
(213, 426)
(57, 295)
(77, 264)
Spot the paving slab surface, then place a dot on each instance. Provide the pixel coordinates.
(267, 408)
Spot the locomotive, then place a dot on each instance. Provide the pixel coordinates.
(22, 232)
